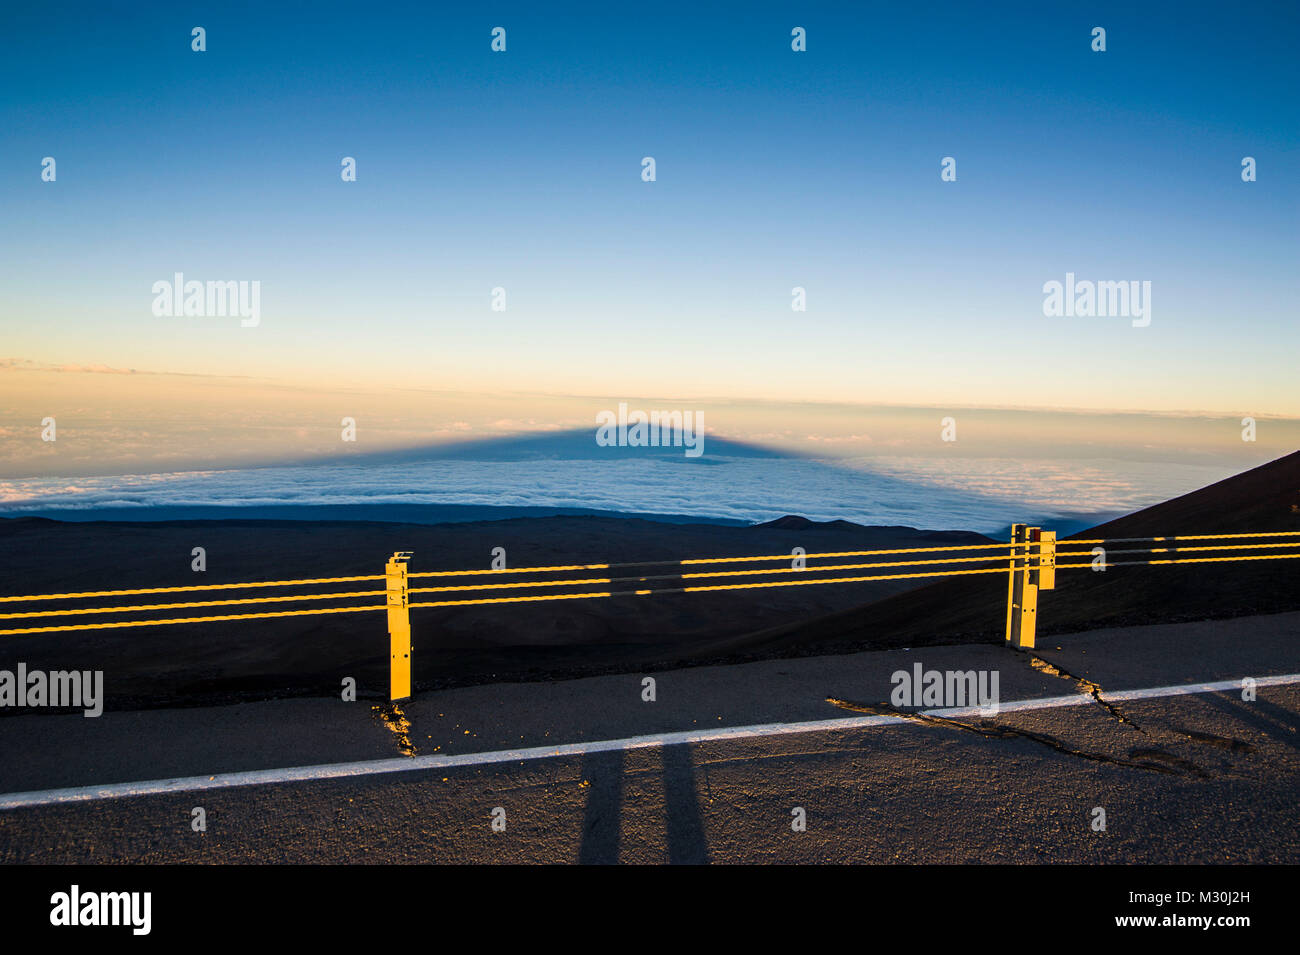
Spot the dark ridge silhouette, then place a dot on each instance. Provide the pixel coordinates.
(792, 522)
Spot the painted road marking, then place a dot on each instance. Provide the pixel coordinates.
(297, 774)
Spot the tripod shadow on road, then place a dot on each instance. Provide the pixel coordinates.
(602, 823)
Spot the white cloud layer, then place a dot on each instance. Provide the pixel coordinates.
(971, 494)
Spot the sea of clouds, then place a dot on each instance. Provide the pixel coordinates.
(977, 494)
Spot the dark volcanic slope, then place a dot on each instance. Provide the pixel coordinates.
(1266, 498)
(258, 658)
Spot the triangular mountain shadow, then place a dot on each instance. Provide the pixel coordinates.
(573, 445)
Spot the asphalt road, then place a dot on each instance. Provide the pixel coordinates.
(1197, 777)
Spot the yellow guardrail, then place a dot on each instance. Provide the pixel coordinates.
(1029, 559)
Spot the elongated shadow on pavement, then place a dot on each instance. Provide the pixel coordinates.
(686, 841)
(1285, 720)
(601, 824)
(1270, 719)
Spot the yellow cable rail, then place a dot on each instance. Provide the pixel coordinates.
(1188, 560)
(1017, 556)
(1178, 550)
(84, 611)
(1182, 537)
(689, 576)
(189, 589)
(1001, 545)
(118, 624)
(700, 588)
(704, 560)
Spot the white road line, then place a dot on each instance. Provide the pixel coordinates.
(264, 777)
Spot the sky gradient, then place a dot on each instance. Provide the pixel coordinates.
(775, 169)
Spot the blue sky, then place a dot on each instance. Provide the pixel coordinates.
(775, 169)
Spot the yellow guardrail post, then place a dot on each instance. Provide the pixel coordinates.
(1022, 589)
(1033, 568)
(1015, 583)
(399, 626)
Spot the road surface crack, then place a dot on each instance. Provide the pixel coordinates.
(1095, 691)
(1152, 760)
(1085, 686)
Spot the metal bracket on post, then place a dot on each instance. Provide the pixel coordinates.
(399, 627)
(1022, 588)
(1046, 560)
